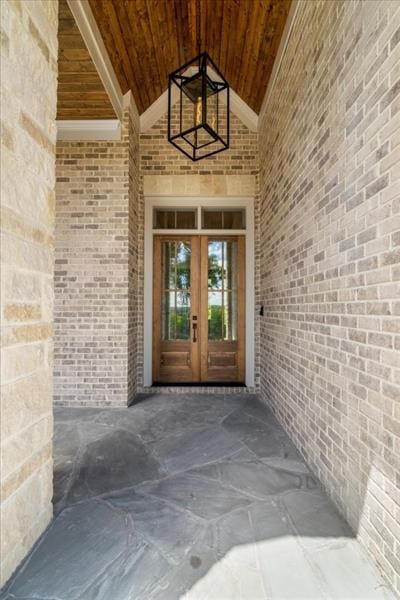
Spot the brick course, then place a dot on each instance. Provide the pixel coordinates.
(329, 209)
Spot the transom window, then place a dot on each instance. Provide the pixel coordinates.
(227, 218)
(199, 218)
(175, 218)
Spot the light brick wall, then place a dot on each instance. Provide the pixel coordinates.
(159, 157)
(96, 269)
(99, 272)
(330, 210)
(28, 111)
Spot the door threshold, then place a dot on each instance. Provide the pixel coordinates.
(199, 384)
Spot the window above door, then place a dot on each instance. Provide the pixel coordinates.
(175, 218)
(199, 218)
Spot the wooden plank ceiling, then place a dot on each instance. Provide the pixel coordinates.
(81, 94)
(147, 39)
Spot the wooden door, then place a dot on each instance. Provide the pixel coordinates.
(222, 309)
(176, 309)
(198, 309)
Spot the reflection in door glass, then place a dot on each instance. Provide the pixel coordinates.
(230, 316)
(168, 316)
(215, 265)
(215, 320)
(230, 265)
(222, 284)
(182, 318)
(182, 265)
(168, 265)
(175, 281)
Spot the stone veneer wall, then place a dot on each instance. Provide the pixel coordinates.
(28, 112)
(96, 269)
(330, 210)
(165, 171)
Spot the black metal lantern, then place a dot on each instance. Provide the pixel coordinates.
(198, 108)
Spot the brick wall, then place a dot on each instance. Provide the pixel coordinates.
(158, 156)
(330, 210)
(28, 91)
(99, 272)
(95, 269)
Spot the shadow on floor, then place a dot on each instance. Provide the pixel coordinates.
(189, 496)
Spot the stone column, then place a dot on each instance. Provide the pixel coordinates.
(28, 112)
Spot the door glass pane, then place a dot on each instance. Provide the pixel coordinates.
(215, 257)
(215, 319)
(182, 265)
(182, 315)
(168, 265)
(230, 264)
(168, 316)
(230, 316)
(222, 285)
(175, 282)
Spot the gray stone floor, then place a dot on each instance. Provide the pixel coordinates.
(195, 497)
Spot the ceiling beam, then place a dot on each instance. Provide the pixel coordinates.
(91, 35)
(89, 129)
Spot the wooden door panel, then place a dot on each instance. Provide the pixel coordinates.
(222, 309)
(222, 359)
(175, 302)
(175, 359)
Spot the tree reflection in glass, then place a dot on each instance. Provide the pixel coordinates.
(176, 297)
(222, 286)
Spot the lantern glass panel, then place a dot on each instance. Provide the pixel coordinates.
(174, 111)
(188, 116)
(198, 115)
(212, 112)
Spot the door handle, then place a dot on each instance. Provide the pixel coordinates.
(194, 327)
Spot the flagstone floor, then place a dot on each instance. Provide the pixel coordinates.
(189, 496)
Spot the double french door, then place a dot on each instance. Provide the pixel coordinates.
(198, 309)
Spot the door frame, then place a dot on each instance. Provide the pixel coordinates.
(199, 202)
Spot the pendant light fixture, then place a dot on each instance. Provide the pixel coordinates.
(198, 105)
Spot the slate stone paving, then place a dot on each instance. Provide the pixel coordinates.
(189, 497)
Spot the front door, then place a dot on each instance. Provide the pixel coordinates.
(198, 309)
